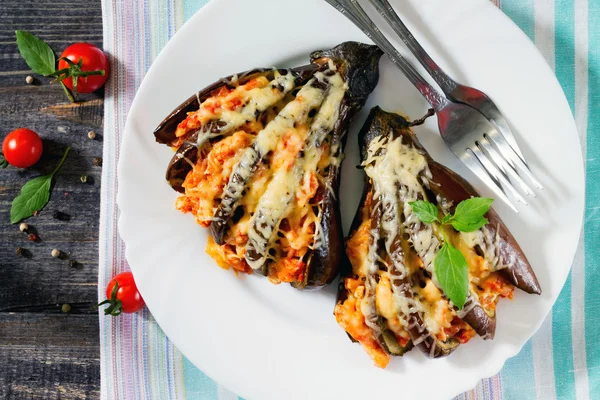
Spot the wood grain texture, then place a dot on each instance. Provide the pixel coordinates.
(49, 356)
(45, 353)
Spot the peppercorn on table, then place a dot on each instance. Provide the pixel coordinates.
(49, 345)
(47, 353)
(560, 361)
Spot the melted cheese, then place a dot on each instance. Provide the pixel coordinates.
(257, 101)
(233, 108)
(277, 202)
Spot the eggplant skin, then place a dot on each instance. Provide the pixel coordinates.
(519, 271)
(455, 188)
(478, 319)
(187, 154)
(443, 183)
(380, 121)
(181, 164)
(451, 186)
(165, 132)
(359, 65)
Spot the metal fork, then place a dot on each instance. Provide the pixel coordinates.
(469, 135)
(457, 92)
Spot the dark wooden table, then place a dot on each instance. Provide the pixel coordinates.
(44, 352)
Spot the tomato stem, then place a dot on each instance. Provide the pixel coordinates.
(67, 92)
(74, 71)
(115, 307)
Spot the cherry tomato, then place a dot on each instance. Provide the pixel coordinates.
(126, 298)
(22, 148)
(93, 59)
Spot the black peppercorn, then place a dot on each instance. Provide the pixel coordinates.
(61, 216)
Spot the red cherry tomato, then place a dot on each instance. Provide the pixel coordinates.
(22, 148)
(127, 297)
(93, 59)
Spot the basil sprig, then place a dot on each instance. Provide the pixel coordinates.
(34, 195)
(450, 265)
(41, 59)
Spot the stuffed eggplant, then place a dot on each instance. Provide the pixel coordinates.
(390, 298)
(258, 157)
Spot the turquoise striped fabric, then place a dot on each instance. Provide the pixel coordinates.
(562, 361)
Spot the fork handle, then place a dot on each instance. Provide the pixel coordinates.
(386, 10)
(355, 13)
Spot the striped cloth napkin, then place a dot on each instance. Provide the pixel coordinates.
(561, 361)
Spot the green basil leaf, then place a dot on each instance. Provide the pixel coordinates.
(468, 216)
(469, 226)
(37, 54)
(425, 211)
(34, 195)
(452, 273)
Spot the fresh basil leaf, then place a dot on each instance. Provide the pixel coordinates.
(468, 226)
(37, 54)
(34, 195)
(452, 273)
(425, 211)
(468, 216)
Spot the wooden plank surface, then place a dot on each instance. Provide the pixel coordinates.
(45, 353)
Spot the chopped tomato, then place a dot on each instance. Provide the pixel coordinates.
(310, 184)
(233, 104)
(222, 91)
(212, 106)
(350, 317)
(206, 181)
(289, 269)
(493, 287)
(226, 256)
(253, 83)
(459, 330)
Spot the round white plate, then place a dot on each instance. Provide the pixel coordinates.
(273, 342)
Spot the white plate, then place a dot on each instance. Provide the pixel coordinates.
(273, 342)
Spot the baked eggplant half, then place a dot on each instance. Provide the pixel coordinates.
(390, 298)
(258, 159)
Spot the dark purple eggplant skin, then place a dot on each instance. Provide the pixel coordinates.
(358, 64)
(165, 131)
(427, 343)
(181, 164)
(483, 323)
(187, 154)
(379, 122)
(455, 188)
